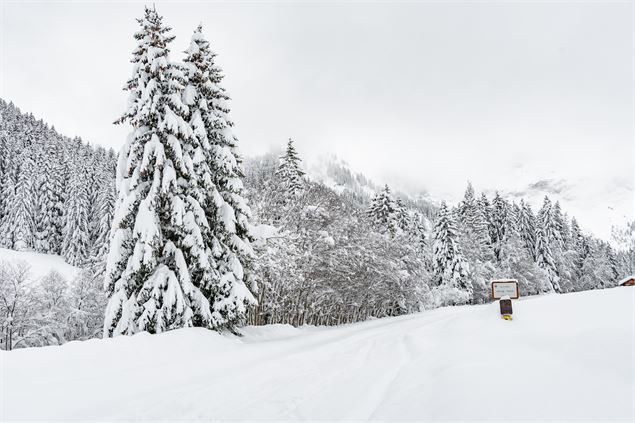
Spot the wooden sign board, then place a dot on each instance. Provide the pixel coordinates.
(505, 287)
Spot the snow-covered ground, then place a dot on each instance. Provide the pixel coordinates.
(40, 264)
(562, 357)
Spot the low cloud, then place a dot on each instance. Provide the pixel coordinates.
(543, 186)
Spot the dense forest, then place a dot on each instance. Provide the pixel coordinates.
(185, 232)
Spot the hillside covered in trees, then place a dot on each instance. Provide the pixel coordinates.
(323, 255)
(185, 232)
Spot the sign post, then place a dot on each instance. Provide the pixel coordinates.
(504, 290)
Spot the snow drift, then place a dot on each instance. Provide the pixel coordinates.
(562, 357)
(40, 264)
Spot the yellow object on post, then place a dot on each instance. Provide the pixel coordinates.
(504, 290)
(505, 304)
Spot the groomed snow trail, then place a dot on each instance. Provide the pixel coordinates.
(563, 357)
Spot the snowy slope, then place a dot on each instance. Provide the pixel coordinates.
(41, 264)
(563, 357)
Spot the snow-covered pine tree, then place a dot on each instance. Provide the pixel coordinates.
(527, 228)
(579, 247)
(473, 222)
(18, 225)
(7, 184)
(76, 238)
(383, 211)
(450, 269)
(418, 231)
(157, 232)
(94, 184)
(220, 172)
(545, 239)
(289, 171)
(578, 240)
(49, 192)
(544, 258)
(485, 210)
(500, 219)
(514, 217)
(561, 229)
(402, 218)
(4, 169)
(467, 209)
(612, 263)
(546, 220)
(107, 197)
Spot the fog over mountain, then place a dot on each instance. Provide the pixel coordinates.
(422, 96)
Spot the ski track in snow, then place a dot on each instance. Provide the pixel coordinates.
(563, 357)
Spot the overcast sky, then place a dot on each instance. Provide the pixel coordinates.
(527, 98)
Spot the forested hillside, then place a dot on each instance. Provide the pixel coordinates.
(327, 252)
(182, 231)
(57, 192)
(57, 197)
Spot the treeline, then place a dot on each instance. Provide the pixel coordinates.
(50, 310)
(56, 197)
(323, 256)
(326, 257)
(320, 260)
(546, 251)
(57, 194)
(186, 234)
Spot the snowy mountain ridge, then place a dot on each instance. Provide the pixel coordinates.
(338, 175)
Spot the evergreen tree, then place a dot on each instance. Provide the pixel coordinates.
(500, 218)
(545, 237)
(402, 218)
(468, 207)
(227, 238)
(450, 269)
(76, 241)
(560, 229)
(384, 211)
(579, 249)
(157, 232)
(613, 264)
(485, 211)
(527, 229)
(7, 185)
(5, 174)
(107, 198)
(18, 225)
(49, 192)
(475, 232)
(289, 171)
(418, 231)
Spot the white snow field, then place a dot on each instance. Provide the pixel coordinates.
(40, 264)
(563, 357)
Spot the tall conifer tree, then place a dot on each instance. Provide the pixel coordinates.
(289, 170)
(220, 173)
(76, 241)
(18, 225)
(449, 266)
(157, 235)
